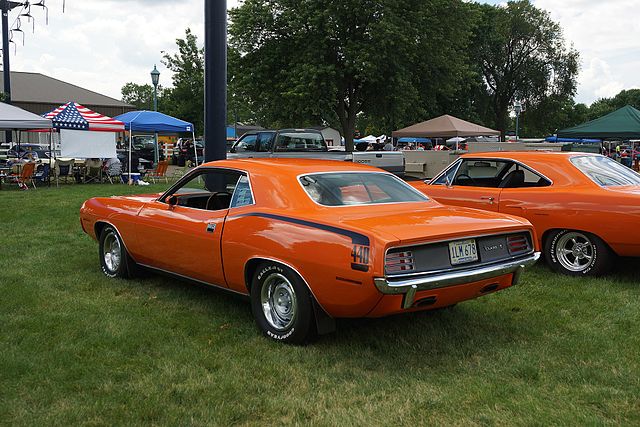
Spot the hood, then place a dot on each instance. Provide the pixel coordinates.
(434, 222)
(143, 198)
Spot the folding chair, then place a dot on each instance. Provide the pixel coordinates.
(160, 171)
(63, 169)
(93, 171)
(114, 171)
(25, 176)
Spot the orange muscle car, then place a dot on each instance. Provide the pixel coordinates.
(585, 207)
(310, 241)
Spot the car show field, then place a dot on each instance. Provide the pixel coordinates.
(80, 348)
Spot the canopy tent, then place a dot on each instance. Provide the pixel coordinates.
(83, 132)
(156, 122)
(16, 118)
(620, 124)
(407, 139)
(444, 127)
(578, 140)
(74, 116)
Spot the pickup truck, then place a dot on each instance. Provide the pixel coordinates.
(310, 144)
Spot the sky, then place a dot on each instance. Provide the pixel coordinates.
(103, 44)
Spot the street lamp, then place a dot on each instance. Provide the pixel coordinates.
(517, 108)
(155, 77)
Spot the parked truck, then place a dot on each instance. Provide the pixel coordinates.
(309, 143)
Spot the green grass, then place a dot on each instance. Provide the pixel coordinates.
(78, 348)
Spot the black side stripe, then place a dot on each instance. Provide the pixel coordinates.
(356, 238)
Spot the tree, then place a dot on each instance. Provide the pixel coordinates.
(331, 61)
(185, 99)
(521, 55)
(140, 95)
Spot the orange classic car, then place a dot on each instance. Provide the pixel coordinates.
(310, 241)
(585, 207)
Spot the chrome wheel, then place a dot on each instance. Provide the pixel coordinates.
(112, 252)
(575, 251)
(278, 299)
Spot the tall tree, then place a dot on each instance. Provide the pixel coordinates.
(522, 55)
(328, 61)
(140, 95)
(186, 97)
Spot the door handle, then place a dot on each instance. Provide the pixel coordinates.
(489, 198)
(211, 227)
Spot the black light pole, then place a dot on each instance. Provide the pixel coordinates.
(215, 79)
(6, 6)
(155, 78)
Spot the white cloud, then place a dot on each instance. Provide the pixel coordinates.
(607, 34)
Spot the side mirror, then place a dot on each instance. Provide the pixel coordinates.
(172, 201)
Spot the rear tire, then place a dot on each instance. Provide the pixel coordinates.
(577, 253)
(281, 304)
(114, 258)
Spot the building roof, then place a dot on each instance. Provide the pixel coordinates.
(38, 88)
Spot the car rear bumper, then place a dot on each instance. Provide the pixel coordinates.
(408, 286)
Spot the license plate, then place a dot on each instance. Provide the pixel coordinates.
(463, 251)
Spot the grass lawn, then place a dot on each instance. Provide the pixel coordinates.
(78, 348)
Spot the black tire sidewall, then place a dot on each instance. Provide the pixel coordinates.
(300, 329)
(598, 265)
(122, 268)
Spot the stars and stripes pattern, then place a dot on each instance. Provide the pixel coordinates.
(75, 116)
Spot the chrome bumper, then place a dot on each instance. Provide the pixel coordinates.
(410, 285)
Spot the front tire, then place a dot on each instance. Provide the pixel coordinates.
(114, 259)
(577, 253)
(281, 304)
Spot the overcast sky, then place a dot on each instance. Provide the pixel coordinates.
(103, 44)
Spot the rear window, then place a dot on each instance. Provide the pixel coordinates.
(358, 188)
(605, 171)
(295, 141)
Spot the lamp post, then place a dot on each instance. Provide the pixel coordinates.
(517, 108)
(155, 77)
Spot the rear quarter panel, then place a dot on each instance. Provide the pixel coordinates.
(323, 258)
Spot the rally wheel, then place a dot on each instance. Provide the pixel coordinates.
(578, 253)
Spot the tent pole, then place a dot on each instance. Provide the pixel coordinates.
(51, 154)
(195, 148)
(130, 136)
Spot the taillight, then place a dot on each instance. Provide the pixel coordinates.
(399, 262)
(517, 243)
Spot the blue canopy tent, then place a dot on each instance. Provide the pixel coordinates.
(153, 121)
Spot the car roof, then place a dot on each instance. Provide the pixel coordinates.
(537, 156)
(291, 167)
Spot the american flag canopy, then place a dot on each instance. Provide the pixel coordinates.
(74, 116)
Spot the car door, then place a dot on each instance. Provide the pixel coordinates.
(524, 199)
(181, 231)
(473, 183)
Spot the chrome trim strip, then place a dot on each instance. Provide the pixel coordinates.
(224, 288)
(409, 287)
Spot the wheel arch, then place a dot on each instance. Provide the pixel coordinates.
(324, 322)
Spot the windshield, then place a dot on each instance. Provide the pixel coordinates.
(605, 171)
(296, 141)
(358, 188)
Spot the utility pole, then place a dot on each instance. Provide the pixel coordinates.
(6, 6)
(215, 79)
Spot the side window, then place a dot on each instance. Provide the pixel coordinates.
(242, 195)
(265, 139)
(519, 176)
(481, 173)
(208, 190)
(447, 177)
(247, 143)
